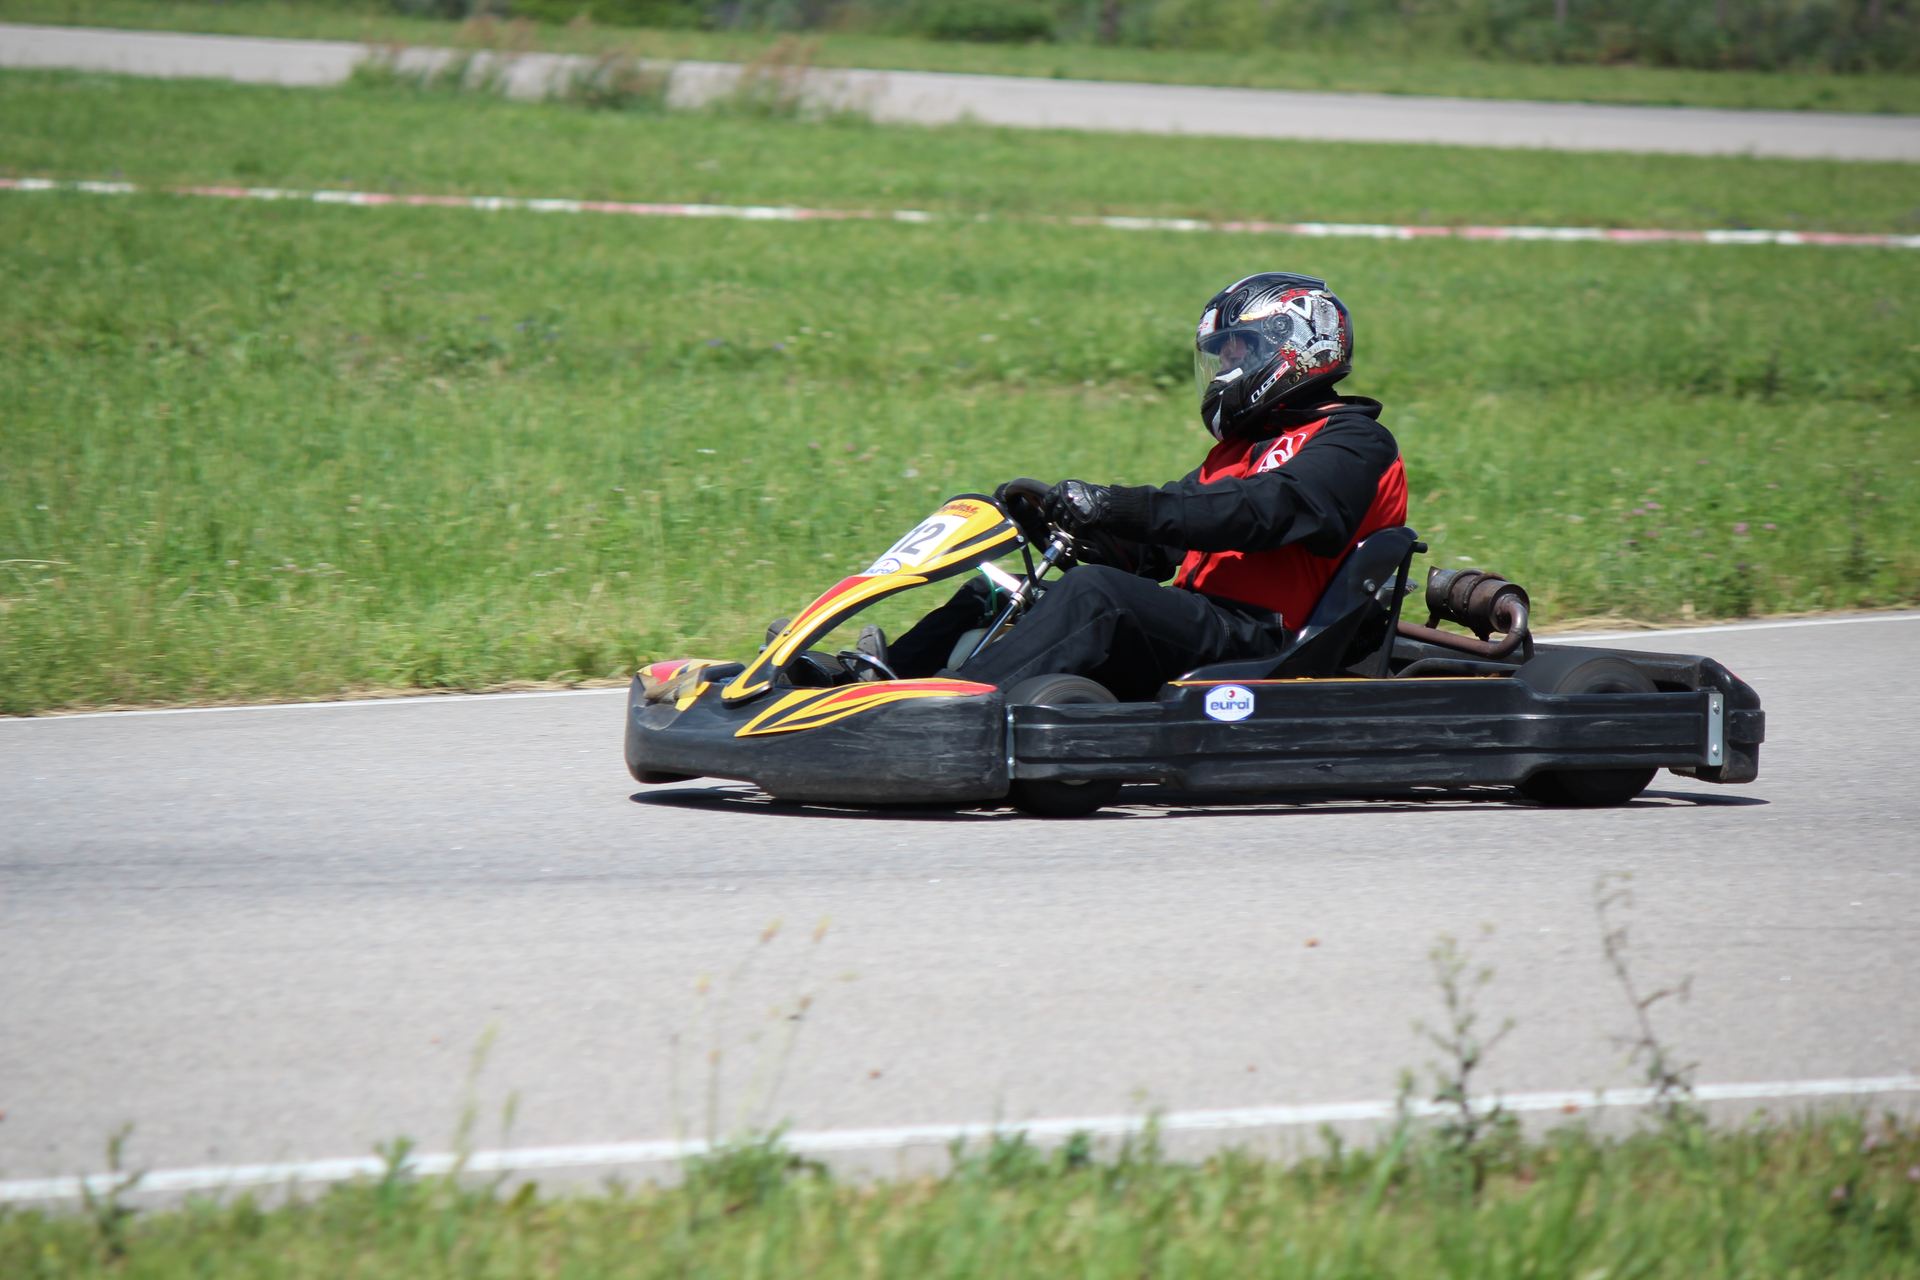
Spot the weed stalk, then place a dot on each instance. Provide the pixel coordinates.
(1471, 1135)
(106, 1209)
(1670, 1079)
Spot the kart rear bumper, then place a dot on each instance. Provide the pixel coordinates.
(1366, 735)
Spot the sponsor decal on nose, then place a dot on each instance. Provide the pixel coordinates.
(1229, 702)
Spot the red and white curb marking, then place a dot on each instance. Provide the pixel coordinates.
(1111, 222)
(830, 1142)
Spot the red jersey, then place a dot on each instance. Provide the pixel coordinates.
(1289, 578)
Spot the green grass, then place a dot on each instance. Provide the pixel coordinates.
(286, 450)
(1830, 1198)
(1404, 63)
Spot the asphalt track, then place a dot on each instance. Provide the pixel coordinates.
(938, 98)
(288, 934)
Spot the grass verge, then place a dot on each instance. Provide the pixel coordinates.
(281, 451)
(389, 135)
(1327, 62)
(1836, 1197)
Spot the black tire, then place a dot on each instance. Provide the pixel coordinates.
(1046, 798)
(1584, 673)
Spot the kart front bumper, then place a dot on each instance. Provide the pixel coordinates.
(929, 750)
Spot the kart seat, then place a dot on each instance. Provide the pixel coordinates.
(1350, 631)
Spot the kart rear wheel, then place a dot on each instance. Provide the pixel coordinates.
(1584, 673)
(1050, 798)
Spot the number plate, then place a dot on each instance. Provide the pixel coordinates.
(918, 545)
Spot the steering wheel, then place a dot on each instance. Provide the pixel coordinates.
(1024, 501)
(865, 666)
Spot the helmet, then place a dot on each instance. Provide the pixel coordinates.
(1264, 340)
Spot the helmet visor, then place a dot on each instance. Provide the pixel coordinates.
(1244, 349)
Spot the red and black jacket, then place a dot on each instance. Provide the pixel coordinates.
(1265, 522)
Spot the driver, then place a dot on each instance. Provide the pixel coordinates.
(1297, 476)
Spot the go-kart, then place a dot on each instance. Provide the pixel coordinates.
(1358, 700)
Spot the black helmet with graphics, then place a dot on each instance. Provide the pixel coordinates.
(1262, 343)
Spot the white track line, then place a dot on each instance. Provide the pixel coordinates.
(440, 699)
(794, 213)
(847, 1141)
(399, 700)
(1778, 624)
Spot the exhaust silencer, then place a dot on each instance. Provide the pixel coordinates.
(1481, 602)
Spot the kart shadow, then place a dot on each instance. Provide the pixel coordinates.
(1694, 799)
(1147, 801)
(1171, 803)
(744, 797)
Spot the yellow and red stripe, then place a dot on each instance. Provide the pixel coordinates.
(982, 534)
(811, 708)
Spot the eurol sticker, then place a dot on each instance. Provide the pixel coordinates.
(1229, 702)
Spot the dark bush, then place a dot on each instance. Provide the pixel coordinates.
(613, 13)
(619, 13)
(992, 21)
(1765, 35)
(446, 8)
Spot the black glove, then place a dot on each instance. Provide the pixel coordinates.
(1075, 505)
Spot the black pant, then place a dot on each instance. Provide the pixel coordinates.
(1130, 634)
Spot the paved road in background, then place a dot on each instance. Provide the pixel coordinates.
(281, 933)
(939, 98)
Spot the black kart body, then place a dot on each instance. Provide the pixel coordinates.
(1359, 701)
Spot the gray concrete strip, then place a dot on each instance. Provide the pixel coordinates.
(303, 63)
(922, 97)
(929, 98)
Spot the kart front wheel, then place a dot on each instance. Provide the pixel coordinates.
(1048, 797)
(1584, 673)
